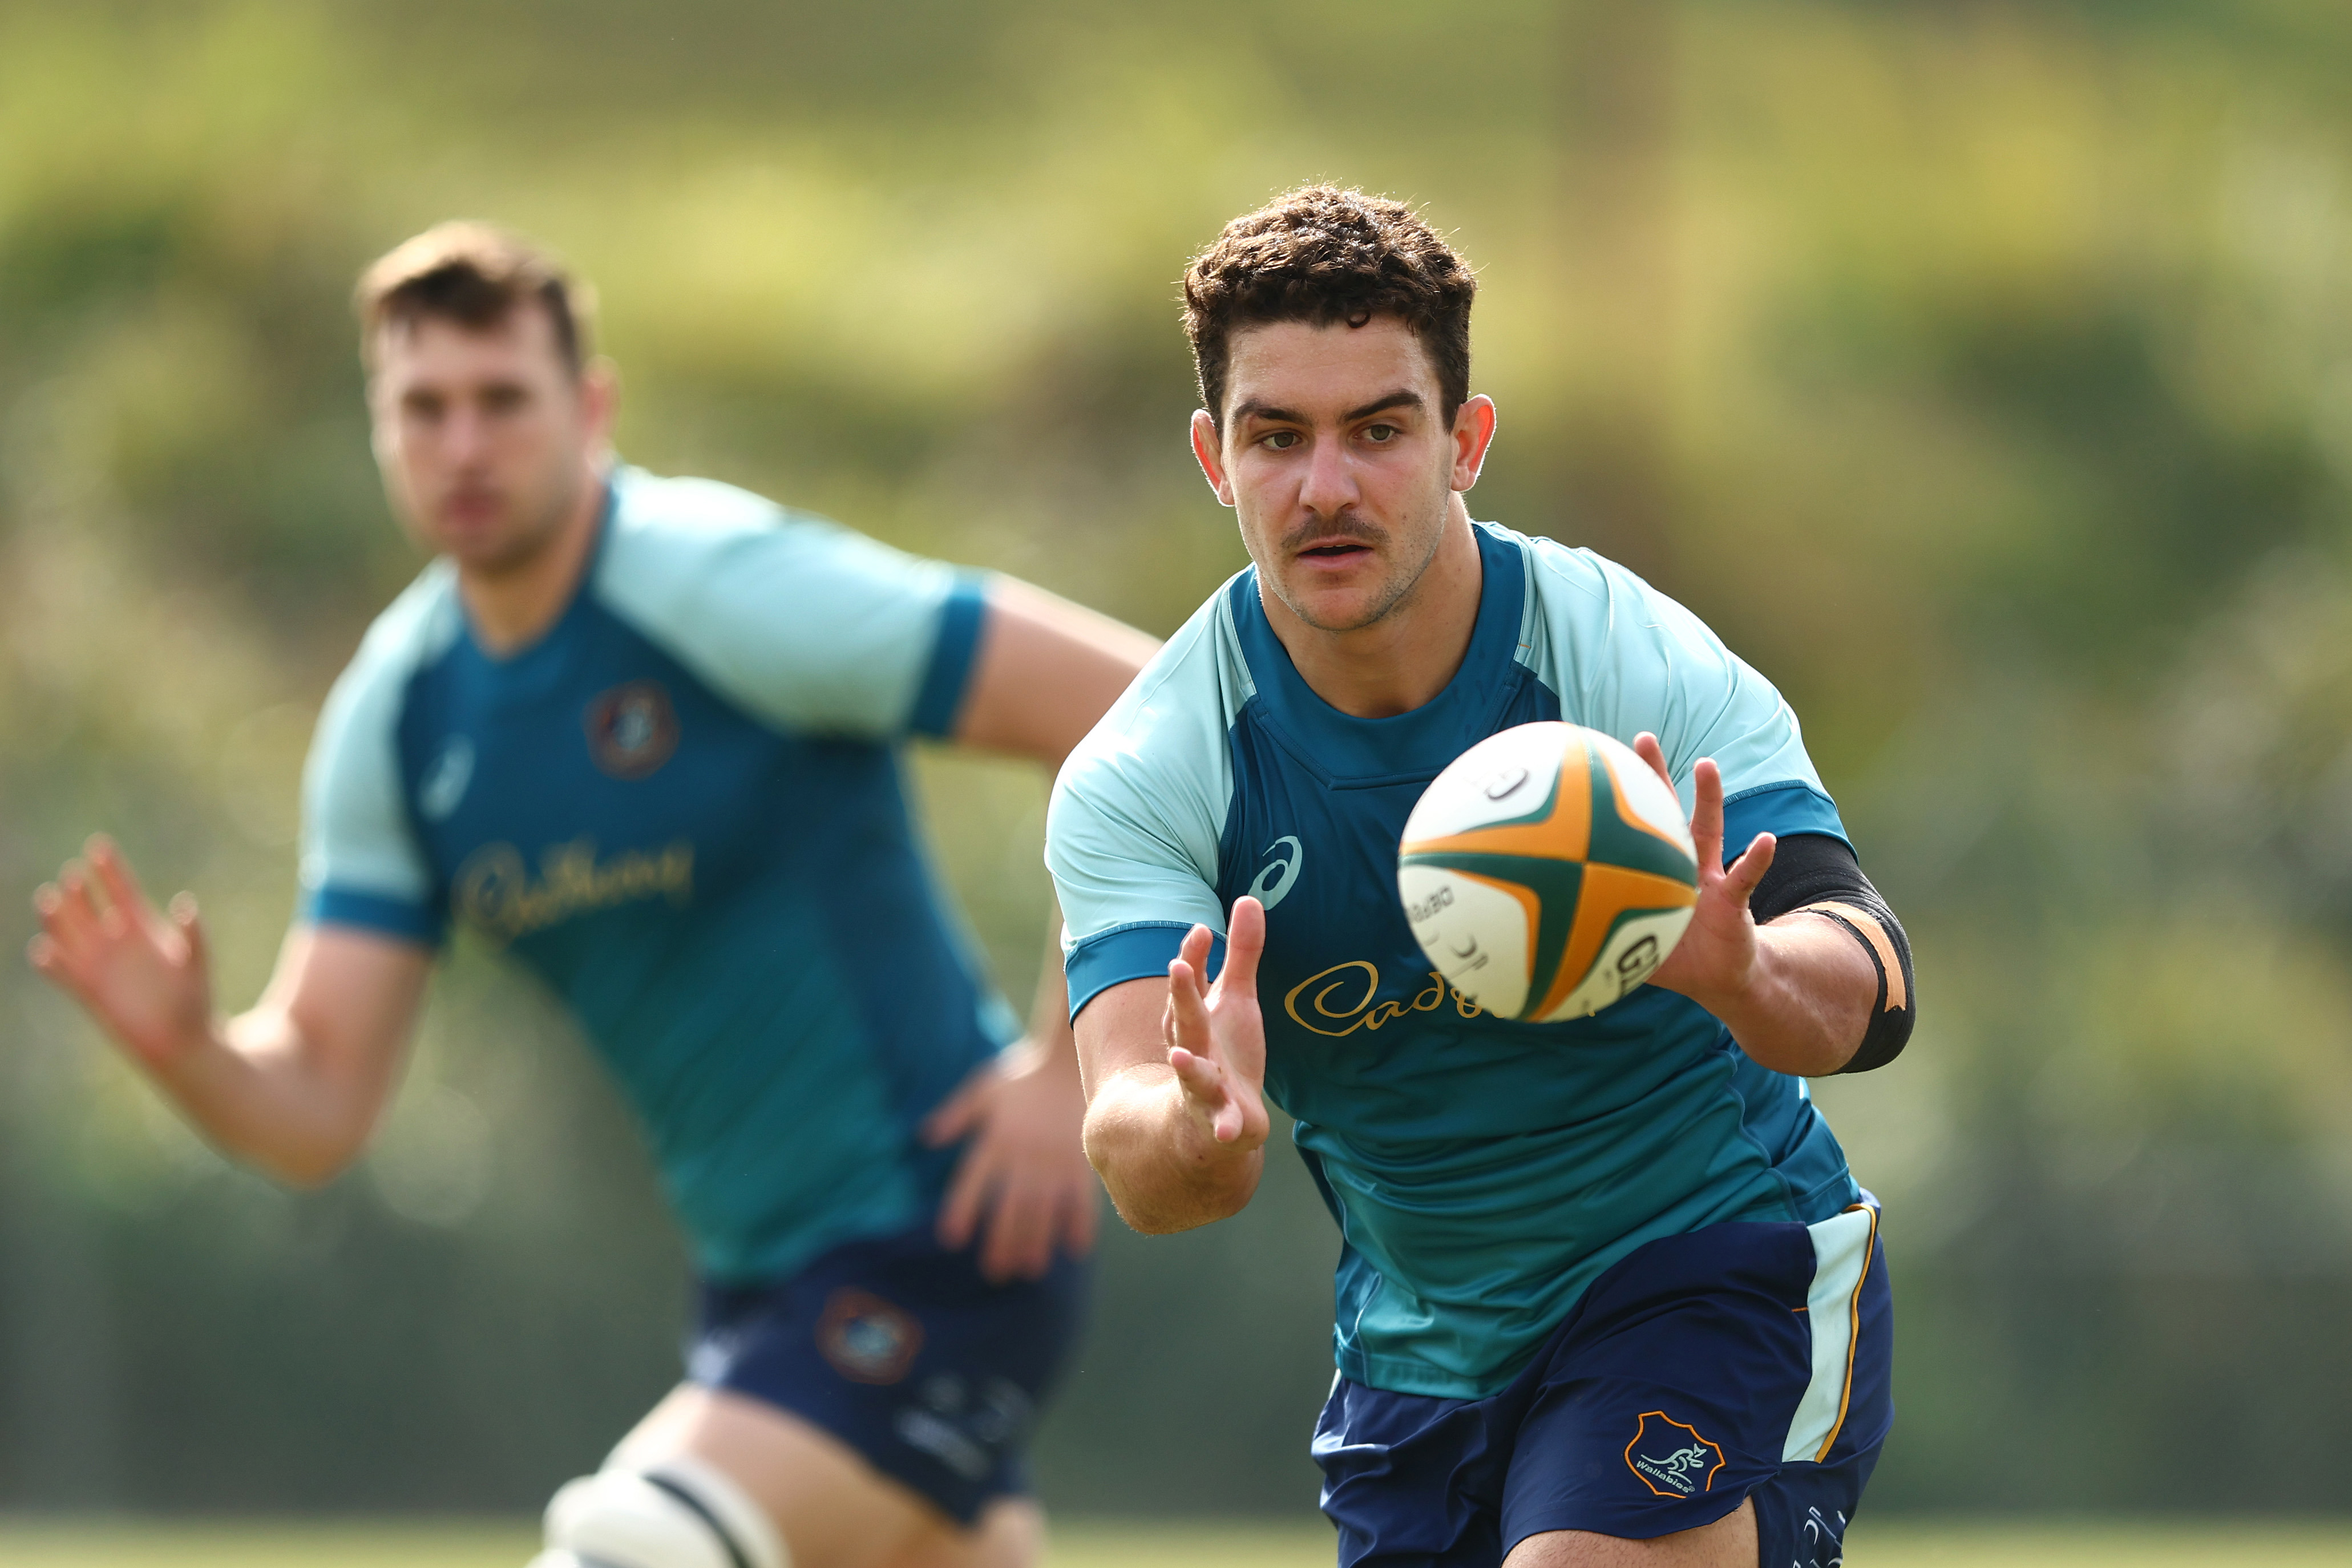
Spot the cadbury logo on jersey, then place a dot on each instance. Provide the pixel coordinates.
(1344, 995)
(632, 728)
(495, 891)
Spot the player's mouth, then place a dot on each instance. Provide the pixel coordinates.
(1335, 551)
(472, 507)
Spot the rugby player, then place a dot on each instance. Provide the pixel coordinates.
(639, 734)
(1606, 1292)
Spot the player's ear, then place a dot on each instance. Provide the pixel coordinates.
(599, 396)
(1209, 451)
(1473, 432)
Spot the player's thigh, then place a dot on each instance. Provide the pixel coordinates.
(833, 1509)
(1729, 1542)
(1011, 1534)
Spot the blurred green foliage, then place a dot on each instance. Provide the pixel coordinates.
(1983, 372)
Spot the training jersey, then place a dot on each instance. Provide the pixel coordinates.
(681, 808)
(1483, 1172)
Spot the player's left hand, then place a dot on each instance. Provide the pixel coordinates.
(1025, 1168)
(1715, 960)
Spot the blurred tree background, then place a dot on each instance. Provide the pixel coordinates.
(1982, 370)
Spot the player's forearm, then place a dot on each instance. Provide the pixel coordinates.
(1805, 1002)
(264, 1095)
(1165, 1171)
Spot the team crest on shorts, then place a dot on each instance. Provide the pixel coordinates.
(1672, 1459)
(632, 728)
(866, 1339)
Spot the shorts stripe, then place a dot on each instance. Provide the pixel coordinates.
(1841, 1246)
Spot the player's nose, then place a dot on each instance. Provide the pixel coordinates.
(464, 435)
(1328, 486)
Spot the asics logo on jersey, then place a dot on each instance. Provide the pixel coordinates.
(1343, 994)
(445, 780)
(496, 892)
(1277, 880)
(1670, 1456)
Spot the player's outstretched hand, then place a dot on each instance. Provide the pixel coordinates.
(144, 977)
(1717, 955)
(1217, 1037)
(1026, 1168)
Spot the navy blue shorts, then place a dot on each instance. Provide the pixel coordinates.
(1740, 1361)
(900, 1349)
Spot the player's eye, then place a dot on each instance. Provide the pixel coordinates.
(1280, 440)
(1381, 433)
(502, 399)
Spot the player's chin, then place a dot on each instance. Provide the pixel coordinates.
(1345, 604)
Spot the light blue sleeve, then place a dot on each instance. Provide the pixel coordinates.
(804, 624)
(1133, 828)
(362, 865)
(1625, 658)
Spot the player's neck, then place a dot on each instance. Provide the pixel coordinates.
(1404, 658)
(513, 605)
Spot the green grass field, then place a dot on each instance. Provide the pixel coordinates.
(1905, 1544)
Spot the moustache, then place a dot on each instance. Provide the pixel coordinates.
(1346, 525)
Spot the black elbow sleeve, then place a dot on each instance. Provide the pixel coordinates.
(1817, 875)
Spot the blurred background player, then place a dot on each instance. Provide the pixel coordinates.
(639, 734)
(1607, 1292)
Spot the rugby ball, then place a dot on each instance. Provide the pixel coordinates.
(1547, 872)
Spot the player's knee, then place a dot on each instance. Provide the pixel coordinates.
(679, 1513)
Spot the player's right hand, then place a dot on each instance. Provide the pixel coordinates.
(144, 977)
(1217, 1037)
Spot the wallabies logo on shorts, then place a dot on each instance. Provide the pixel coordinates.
(866, 1339)
(632, 728)
(1672, 1459)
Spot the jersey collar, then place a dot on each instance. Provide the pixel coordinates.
(534, 652)
(1344, 749)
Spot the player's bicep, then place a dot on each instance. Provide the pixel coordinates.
(362, 865)
(1045, 672)
(1814, 876)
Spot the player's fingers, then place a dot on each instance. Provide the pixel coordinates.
(190, 925)
(1019, 1232)
(1201, 1080)
(1188, 1009)
(1647, 747)
(960, 1212)
(50, 962)
(1747, 872)
(1706, 814)
(959, 1112)
(1251, 1119)
(115, 876)
(1244, 941)
(67, 912)
(1195, 948)
(49, 959)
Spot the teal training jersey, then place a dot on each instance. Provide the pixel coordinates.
(1483, 1172)
(681, 808)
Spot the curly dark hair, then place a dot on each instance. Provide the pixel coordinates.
(1319, 254)
(475, 275)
